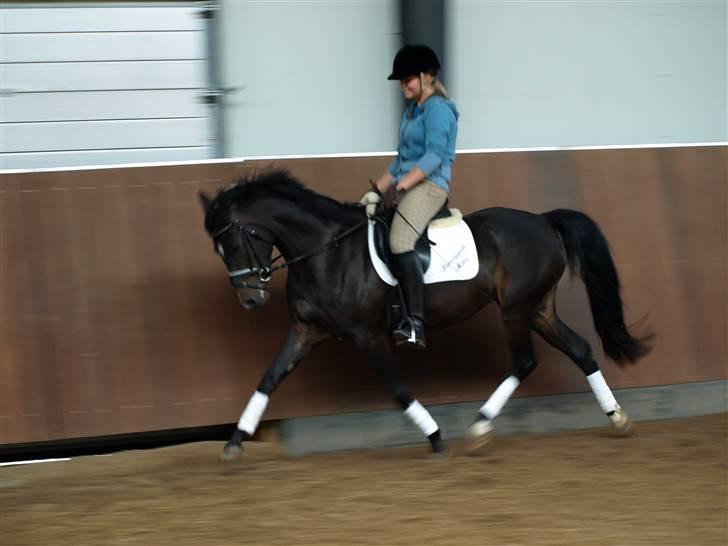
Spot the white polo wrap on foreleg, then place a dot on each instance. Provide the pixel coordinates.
(421, 417)
(602, 391)
(253, 412)
(498, 399)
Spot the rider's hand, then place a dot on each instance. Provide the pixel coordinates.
(370, 200)
(390, 198)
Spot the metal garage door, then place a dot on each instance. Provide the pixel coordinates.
(103, 84)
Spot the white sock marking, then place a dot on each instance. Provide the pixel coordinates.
(421, 417)
(602, 391)
(498, 399)
(253, 412)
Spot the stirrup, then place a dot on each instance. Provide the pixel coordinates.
(404, 335)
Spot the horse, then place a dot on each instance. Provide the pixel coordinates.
(334, 291)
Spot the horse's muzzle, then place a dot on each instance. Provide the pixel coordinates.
(252, 298)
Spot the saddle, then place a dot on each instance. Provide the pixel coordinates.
(447, 250)
(382, 223)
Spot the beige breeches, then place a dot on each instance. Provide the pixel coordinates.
(418, 205)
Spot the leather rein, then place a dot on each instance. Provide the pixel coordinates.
(251, 232)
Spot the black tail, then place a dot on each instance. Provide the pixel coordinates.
(587, 247)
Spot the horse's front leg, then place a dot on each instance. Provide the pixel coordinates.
(384, 361)
(298, 343)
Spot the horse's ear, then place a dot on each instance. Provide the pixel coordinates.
(205, 200)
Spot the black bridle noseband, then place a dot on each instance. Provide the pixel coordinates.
(251, 232)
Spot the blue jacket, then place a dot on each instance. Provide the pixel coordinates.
(427, 137)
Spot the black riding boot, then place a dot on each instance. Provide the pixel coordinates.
(408, 270)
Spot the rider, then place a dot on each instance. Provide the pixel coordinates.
(420, 174)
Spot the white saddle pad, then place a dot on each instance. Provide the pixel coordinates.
(452, 258)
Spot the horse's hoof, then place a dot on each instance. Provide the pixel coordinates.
(621, 422)
(231, 452)
(479, 434)
(442, 454)
(440, 451)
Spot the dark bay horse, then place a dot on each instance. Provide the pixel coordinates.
(334, 291)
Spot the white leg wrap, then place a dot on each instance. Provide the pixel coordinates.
(498, 399)
(253, 412)
(421, 417)
(602, 391)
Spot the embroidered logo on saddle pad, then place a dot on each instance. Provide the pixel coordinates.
(453, 256)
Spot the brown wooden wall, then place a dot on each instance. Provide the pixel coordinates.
(117, 317)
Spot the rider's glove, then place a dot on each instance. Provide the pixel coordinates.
(370, 200)
(390, 198)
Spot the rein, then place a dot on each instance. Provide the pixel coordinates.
(334, 241)
(265, 273)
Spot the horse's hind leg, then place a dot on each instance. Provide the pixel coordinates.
(550, 327)
(298, 343)
(384, 361)
(517, 323)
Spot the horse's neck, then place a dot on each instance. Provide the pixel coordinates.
(298, 231)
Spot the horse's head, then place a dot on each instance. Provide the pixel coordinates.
(244, 247)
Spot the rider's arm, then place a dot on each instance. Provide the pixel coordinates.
(439, 120)
(411, 179)
(384, 182)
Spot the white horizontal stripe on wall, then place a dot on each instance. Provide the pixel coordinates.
(118, 46)
(100, 76)
(95, 135)
(220, 160)
(103, 105)
(53, 160)
(85, 19)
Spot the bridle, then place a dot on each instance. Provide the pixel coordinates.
(250, 233)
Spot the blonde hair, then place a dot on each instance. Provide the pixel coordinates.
(438, 88)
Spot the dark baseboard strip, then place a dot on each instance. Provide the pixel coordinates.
(100, 445)
(520, 416)
(390, 428)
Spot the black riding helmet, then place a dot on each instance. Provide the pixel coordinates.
(412, 60)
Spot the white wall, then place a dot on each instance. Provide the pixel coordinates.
(314, 77)
(524, 74)
(588, 73)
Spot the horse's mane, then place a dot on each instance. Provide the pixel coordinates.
(280, 184)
